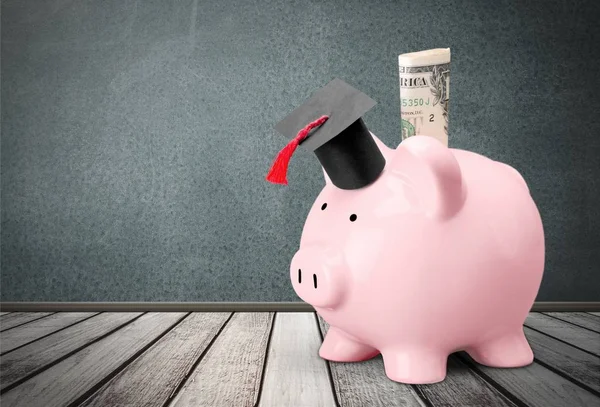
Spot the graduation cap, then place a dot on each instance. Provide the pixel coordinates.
(340, 140)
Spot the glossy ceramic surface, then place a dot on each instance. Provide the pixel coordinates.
(443, 252)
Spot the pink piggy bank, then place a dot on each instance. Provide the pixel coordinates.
(414, 253)
(443, 252)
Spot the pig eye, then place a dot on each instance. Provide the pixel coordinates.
(323, 206)
(352, 217)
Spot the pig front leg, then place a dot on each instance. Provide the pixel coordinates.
(341, 347)
(415, 365)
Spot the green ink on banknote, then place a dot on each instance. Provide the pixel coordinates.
(408, 130)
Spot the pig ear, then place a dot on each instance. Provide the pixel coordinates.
(327, 179)
(433, 170)
(385, 150)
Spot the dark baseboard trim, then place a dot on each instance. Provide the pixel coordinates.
(226, 306)
(156, 306)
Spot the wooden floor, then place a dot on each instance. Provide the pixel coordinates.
(263, 359)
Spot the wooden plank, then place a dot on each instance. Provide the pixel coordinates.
(462, 387)
(595, 313)
(365, 383)
(87, 368)
(582, 319)
(230, 372)
(295, 375)
(580, 366)
(153, 377)
(15, 319)
(23, 362)
(536, 386)
(24, 334)
(4, 313)
(574, 335)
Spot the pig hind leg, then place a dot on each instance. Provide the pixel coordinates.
(415, 366)
(509, 350)
(340, 347)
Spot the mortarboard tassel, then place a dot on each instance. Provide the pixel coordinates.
(278, 172)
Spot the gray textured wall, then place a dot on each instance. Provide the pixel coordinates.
(136, 134)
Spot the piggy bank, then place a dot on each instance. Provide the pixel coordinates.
(442, 252)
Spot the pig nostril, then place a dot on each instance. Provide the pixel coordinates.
(315, 280)
(299, 276)
(323, 206)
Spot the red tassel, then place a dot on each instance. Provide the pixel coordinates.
(278, 172)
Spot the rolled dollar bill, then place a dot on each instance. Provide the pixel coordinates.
(425, 93)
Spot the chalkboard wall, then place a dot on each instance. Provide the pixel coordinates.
(136, 135)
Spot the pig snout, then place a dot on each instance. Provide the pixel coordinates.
(318, 277)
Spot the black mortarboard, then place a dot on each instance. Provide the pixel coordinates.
(342, 142)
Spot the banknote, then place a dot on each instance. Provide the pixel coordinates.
(425, 93)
